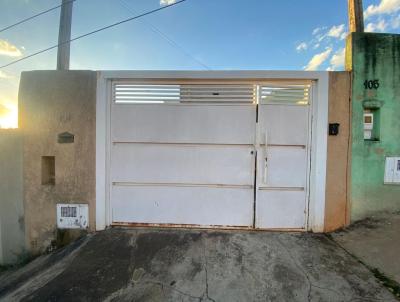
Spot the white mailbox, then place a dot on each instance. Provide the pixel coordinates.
(392, 170)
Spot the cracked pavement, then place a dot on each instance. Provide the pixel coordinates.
(195, 265)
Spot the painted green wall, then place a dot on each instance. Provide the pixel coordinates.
(374, 57)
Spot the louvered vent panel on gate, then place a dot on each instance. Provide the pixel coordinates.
(185, 93)
(218, 93)
(140, 93)
(285, 94)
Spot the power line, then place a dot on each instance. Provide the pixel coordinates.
(34, 16)
(93, 32)
(167, 38)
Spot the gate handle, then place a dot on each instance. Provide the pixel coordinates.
(266, 157)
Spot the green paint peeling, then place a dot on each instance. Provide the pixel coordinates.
(374, 57)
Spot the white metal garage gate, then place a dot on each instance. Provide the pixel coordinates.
(231, 154)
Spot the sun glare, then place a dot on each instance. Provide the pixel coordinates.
(8, 115)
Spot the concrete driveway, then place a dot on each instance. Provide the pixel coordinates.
(376, 242)
(191, 265)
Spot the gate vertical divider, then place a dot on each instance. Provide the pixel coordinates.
(311, 109)
(256, 147)
(109, 145)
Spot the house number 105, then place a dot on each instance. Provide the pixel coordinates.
(371, 84)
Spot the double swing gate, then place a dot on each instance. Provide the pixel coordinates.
(210, 153)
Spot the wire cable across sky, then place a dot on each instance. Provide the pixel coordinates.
(156, 30)
(93, 32)
(34, 16)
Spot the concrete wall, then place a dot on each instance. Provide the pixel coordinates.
(50, 103)
(336, 207)
(374, 57)
(12, 230)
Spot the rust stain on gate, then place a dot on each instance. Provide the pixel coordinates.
(198, 226)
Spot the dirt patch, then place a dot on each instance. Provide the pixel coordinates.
(110, 260)
(36, 267)
(148, 245)
(367, 223)
(390, 284)
(92, 275)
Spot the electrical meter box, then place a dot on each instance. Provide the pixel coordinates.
(368, 125)
(392, 170)
(72, 216)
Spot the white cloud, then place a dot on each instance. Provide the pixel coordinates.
(381, 26)
(8, 49)
(395, 22)
(302, 46)
(167, 2)
(317, 30)
(336, 31)
(376, 27)
(324, 37)
(338, 59)
(370, 27)
(384, 7)
(321, 37)
(328, 43)
(318, 59)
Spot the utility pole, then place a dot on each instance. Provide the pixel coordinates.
(356, 17)
(64, 35)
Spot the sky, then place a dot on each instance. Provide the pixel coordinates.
(193, 35)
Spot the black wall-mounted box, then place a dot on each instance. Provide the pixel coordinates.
(334, 129)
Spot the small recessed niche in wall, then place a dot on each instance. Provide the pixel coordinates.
(372, 125)
(372, 120)
(48, 170)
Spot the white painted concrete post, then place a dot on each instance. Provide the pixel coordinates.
(64, 35)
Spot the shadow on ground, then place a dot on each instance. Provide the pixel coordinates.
(189, 265)
(376, 242)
